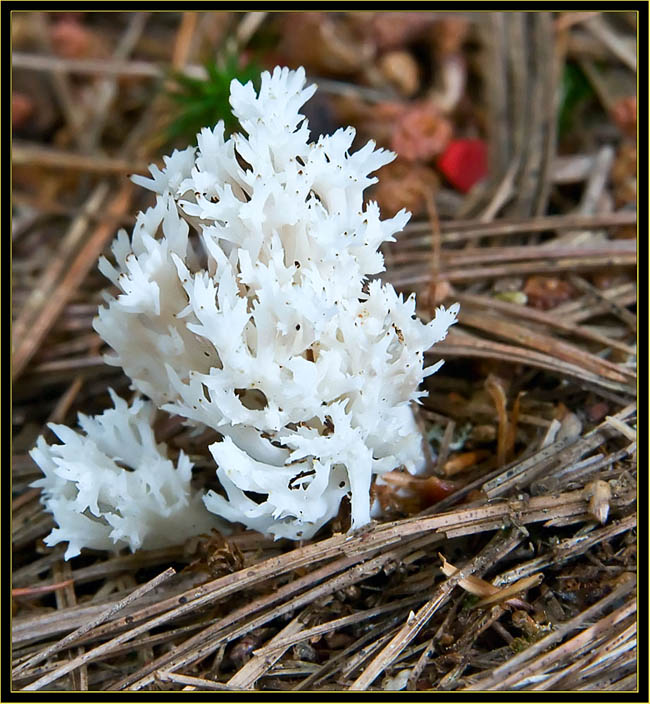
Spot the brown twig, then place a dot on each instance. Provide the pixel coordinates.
(548, 344)
(616, 44)
(417, 275)
(207, 641)
(71, 665)
(41, 588)
(199, 683)
(37, 155)
(509, 672)
(514, 310)
(49, 308)
(462, 230)
(495, 550)
(263, 660)
(461, 344)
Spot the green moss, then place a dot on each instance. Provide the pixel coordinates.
(519, 644)
(470, 601)
(575, 92)
(203, 102)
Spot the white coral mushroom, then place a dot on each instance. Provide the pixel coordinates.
(113, 486)
(277, 339)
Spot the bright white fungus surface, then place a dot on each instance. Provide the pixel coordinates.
(112, 485)
(261, 328)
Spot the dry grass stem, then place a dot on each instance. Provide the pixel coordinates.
(36, 155)
(511, 671)
(70, 665)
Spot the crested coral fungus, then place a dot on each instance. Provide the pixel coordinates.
(245, 306)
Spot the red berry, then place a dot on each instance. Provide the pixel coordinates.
(464, 163)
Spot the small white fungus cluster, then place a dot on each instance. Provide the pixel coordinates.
(265, 328)
(113, 486)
